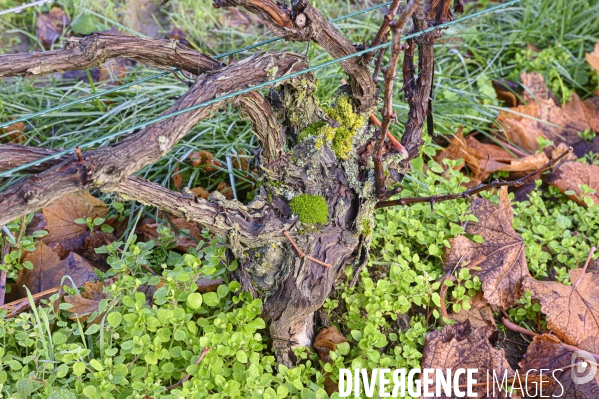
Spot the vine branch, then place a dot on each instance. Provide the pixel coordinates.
(474, 190)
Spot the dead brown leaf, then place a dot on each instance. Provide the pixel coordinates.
(60, 217)
(505, 266)
(572, 311)
(12, 133)
(459, 346)
(225, 190)
(82, 307)
(200, 192)
(482, 158)
(48, 270)
(327, 341)
(593, 58)
(479, 314)
(546, 352)
(207, 285)
(149, 230)
(526, 164)
(206, 160)
(49, 26)
(177, 179)
(543, 117)
(569, 176)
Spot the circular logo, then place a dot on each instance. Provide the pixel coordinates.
(584, 367)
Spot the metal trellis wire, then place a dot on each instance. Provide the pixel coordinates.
(255, 87)
(161, 74)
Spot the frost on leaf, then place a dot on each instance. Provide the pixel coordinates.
(546, 352)
(505, 266)
(459, 346)
(572, 311)
(570, 177)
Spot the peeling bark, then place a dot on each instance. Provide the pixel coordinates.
(96, 48)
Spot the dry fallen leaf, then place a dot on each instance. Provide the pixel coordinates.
(505, 266)
(49, 27)
(479, 314)
(48, 270)
(206, 160)
(149, 230)
(207, 285)
(593, 58)
(12, 133)
(572, 311)
(543, 117)
(60, 217)
(482, 158)
(546, 352)
(325, 342)
(82, 307)
(459, 346)
(200, 192)
(177, 179)
(569, 176)
(526, 164)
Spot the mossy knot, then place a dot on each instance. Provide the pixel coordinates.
(311, 209)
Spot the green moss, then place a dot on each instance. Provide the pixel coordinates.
(311, 209)
(366, 227)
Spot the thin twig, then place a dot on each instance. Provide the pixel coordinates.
(206, 349)
(390, 136)
(301, 254)
(516, 328)
(474, 190)
(387, 112)
(383, 31)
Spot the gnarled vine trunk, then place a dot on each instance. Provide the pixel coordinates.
(293, 286)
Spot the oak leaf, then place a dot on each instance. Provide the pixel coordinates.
(459, 346)
(547, 352)
(572, 311)
(61, 215)
(570, 176)
(48, 270)
(505, 266)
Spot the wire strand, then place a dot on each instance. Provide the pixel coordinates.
(252, 88)
(161, 74)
